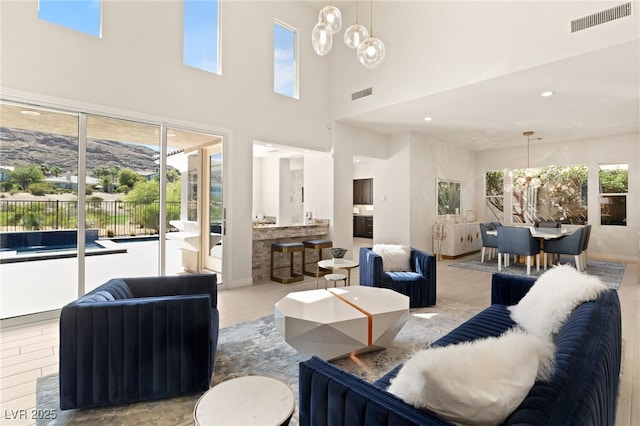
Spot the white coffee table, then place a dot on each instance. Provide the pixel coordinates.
(337, 322)
(245, 401)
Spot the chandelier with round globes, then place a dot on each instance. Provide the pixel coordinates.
(370, 51)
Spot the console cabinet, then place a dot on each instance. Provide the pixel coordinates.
(460, 238)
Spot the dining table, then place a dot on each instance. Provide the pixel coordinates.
(541, 234)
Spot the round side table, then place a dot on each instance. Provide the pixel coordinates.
(249, 400)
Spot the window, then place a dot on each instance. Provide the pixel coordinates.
(79, 15)
(614, 185)
(201, 35)
(494, 190)
(284, 61)
(560, 196)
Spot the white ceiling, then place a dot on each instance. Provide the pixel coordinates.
(595, 95)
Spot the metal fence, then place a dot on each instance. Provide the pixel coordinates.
(112, 218)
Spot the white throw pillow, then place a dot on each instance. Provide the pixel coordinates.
(475, 383)
(550, 301)
(395, 257)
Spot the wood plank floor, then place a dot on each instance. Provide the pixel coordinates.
(30, 350)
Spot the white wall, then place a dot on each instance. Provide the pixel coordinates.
(318, 186)
(363, 170)
(392, 193)
(431, 160)
(617, 242)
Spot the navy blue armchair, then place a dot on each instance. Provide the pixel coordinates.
(419, 283)
(135, 339)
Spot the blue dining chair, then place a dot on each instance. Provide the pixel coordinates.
(571, 244)
(517, 240)
(488, 241)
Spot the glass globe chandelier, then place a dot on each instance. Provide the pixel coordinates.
(331, 16)
(356, 33)
(321, 39)
(529, 179)
(371, 51)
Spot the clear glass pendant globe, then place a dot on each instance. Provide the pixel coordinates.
(321, 39)
(371, 52)
(331, 16)
(354, 35)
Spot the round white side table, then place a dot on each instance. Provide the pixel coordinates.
(249, 400)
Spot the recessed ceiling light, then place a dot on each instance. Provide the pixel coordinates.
(428, 118)
(27, 112)
(546, 94)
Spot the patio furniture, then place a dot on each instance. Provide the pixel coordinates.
(418, 282)
(136, 339)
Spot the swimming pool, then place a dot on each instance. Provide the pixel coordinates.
(26, 246)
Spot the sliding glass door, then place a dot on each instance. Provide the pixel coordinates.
(85, 198)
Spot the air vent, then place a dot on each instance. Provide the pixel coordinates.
(601, 17)
(361, 93)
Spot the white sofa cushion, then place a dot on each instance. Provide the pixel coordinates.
(475, 383)
(395, 257)
(550, 301)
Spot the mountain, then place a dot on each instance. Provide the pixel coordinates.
(18, 147)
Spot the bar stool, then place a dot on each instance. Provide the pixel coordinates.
(316, 245)
(335, 278)
(290, 248)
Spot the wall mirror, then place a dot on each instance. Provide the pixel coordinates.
(448, 197)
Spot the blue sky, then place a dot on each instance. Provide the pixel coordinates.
(201, 34)
(284, 60)
(80, 15)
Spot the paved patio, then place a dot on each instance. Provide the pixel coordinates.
(44, 285)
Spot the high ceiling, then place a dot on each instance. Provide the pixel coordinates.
(595, 95)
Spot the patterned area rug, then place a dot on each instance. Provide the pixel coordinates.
(609, 272)
(256, 348)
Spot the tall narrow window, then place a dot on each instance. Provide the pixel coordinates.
(284, 61)
(201, 35)
(614, 185)
(79, 15)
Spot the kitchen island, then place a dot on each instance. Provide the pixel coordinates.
(265, 235)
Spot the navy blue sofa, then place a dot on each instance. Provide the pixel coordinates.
(419, 283)
(135, 339)
(582, 391)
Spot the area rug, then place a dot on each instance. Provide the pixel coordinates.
(609, 272)
(256, 348)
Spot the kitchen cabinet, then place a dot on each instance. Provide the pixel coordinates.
(363, 191)
(363, 226)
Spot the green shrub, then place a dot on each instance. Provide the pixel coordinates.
(41, 188)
